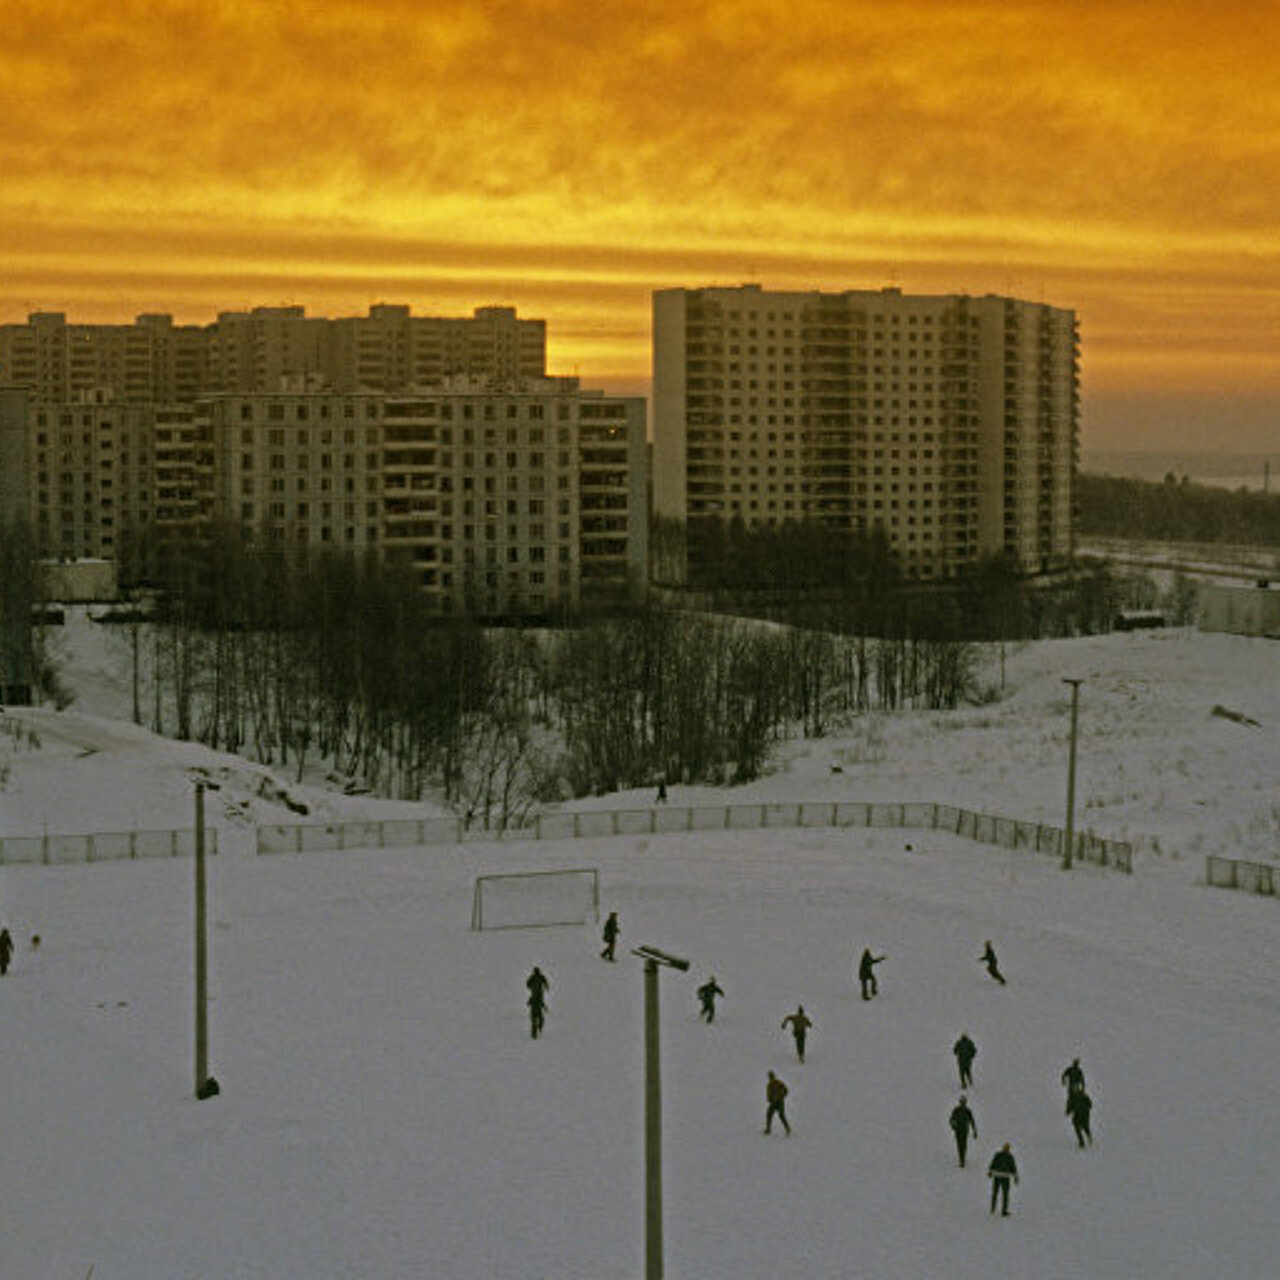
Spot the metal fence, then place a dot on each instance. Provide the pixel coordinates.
(595, 824)
(102, 846)
(1234, 873)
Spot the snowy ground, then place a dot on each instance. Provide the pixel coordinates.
(385, 1114)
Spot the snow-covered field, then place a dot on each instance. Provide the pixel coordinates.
(385, 1114)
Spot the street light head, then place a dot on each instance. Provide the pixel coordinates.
(661, 957)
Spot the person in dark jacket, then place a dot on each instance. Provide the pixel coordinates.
(988, 958)
(800, 1024)
(6, 950)
(707, 994)
(775, 1094)
(1073, 1079)
(965, 1051)
(537, 984)
(1002, 1170)
(867, 974)
(611, 931)
(1079, 1108)
(962, 1125)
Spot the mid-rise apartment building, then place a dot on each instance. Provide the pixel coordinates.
(97, 470)
(524, 498)
(150, 360)
(528, 498)
(948, 423)
(155, 361)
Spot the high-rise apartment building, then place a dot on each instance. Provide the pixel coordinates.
(154, 360)
(948, 423)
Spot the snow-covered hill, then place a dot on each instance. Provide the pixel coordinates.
(384, 1112)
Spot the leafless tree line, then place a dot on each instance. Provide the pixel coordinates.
(329, 662)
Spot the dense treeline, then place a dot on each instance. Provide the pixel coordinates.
(27, 671)
(716, 555)
(1175, 511)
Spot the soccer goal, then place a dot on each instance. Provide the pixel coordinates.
(536, 899)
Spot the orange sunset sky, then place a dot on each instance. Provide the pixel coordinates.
(1122, 159)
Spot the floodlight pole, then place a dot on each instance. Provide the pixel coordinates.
(202, 959)
(652, 1128)
(653, 958)
(1069, 842)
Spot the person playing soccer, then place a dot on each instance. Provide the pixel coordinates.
(867, 974)
(537, 984)
(800, 1024)
(775, 1093)
(707, 994)
(962, 1125)
(611, 931)
(1002, 1170)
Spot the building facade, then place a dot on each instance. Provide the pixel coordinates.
(947, 423)
(155, 361)
(525, 498)
(98, 469)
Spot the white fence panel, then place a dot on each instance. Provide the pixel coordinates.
(853, 815)
(916, 816)
(595, 825)
(21, 849)
(558, 826)
(706, 819)
(667, 820)
(109, 846)
(636, 822)
(1236, 873)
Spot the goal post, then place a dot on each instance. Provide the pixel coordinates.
(536, 899)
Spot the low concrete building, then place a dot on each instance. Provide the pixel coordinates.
(79, 581)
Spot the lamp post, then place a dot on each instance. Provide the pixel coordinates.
(653, 958)
(206, 1085)
(202, 957)
(1069, 842)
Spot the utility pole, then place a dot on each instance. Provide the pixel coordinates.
(653, 958)
(1069, 842)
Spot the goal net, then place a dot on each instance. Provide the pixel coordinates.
(533, 899)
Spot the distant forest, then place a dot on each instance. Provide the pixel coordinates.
(1175, 510)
